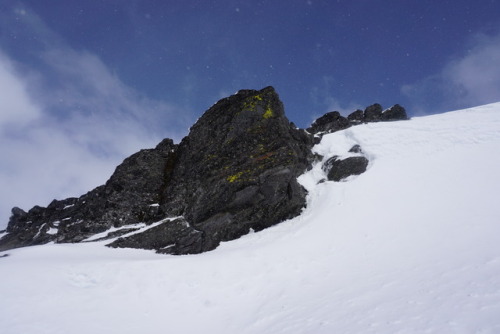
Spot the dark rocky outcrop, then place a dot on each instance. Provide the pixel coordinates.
(394, 113)
(339, 169)
(235, 172)
(126, 198)
(372, 113)
(237, 169)
(333, 121)
(329, 122)
(356, 117)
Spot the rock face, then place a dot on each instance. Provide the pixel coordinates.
(126, 198)
(235, 172)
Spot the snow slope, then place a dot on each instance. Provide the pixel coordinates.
(410, 246)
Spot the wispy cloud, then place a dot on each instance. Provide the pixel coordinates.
(321, 96)
(17, 107)
(470, 79)
(68, 120)
(478, 73)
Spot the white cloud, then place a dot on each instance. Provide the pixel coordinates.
(16, 103)
(67, 122)
(478, 73)
(470, 79)
(99, 111)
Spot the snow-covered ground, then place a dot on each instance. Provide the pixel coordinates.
(410, 246)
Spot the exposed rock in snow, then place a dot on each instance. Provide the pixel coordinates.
(234, 173)
(123, 200)
(333, 121)
(237, 170)
(329, 122)
(338, 169)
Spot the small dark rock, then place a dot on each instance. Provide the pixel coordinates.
(394, 113)
(372, 113)
(356, 149)
(329, 122)
(356, 116)
(340, 169)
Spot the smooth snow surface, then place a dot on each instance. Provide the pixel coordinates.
(410, 246)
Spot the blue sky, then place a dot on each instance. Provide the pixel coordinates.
(83, 84)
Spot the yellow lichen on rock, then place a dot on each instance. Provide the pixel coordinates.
(251, 102)
(234, 177)
(269, 113)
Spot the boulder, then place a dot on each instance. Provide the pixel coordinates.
(329, 122)
(339, 169)
(372, 113)
(355, 117)
(394, 113)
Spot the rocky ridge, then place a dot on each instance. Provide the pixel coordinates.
(235, 172)
(333, 121)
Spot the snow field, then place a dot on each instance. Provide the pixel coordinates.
(410, 246)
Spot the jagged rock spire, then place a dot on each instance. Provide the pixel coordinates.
(236, 170)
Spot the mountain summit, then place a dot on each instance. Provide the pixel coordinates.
(234, 173)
